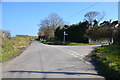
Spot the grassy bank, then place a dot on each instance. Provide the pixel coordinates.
(107, 59)
(62, 43)
(12, 46)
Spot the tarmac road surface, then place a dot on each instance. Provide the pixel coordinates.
(51, 61)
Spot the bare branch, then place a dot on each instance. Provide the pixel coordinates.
(94, 15)
(49, 24)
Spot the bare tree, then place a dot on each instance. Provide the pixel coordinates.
(55, 20)
(94, 15)
(49, 24)
(100, 16)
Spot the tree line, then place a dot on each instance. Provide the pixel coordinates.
(53, 28)
(75, 32)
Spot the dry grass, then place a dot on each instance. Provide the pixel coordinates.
(12, 46)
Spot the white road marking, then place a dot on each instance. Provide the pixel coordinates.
(73, 53)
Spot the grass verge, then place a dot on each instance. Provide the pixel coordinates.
(107, 59)
(78, 44)
(12, 46)
(62, 43)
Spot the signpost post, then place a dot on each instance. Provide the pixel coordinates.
(64, 37)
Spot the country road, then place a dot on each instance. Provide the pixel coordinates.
(51, 61)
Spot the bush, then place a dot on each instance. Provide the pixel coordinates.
(116, 35)
(76, 32)
(55, 43)
(100, 32)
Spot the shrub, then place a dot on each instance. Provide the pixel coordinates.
(100, 32)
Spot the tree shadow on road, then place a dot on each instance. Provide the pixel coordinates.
(50, 72)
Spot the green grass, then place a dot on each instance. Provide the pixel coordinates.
(62, 43)
(78, 44)
(107, 60)
(8, 55)
(110, 55)
(12, 46)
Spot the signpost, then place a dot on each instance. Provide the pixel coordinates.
(64, 36)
